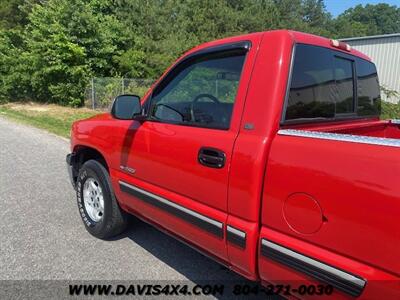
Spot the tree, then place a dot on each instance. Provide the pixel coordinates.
(49, 49)
(15, 80)
(161, 30)
(369, 20)
(10, 14)
(14, 13)
(316, 17)
(67, 42)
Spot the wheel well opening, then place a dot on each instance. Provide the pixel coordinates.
(83, 154)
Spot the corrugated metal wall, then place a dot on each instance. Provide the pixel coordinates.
(385, 52)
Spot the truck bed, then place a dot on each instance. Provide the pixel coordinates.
(389, 129)
(350, 169)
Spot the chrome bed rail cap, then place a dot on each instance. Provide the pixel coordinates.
(341, 137)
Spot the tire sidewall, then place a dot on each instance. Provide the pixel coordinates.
(91, 169)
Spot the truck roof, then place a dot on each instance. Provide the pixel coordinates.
(296, 36)
(306, 38)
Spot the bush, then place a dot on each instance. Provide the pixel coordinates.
(14, 73)
(390, 110)
(64, 44)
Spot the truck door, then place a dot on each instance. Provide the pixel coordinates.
(175, 165)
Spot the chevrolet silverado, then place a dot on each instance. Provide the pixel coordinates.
(266, 152)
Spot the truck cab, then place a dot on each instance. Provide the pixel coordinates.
(265, 152)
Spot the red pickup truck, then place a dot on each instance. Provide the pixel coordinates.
(266, 152)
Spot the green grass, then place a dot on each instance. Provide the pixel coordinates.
(55, 119)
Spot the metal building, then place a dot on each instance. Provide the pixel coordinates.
(384, 50)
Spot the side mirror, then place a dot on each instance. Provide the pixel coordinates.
(126, 107)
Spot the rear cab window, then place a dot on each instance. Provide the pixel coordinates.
(330, 85)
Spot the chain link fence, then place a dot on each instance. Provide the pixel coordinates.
(101, 91)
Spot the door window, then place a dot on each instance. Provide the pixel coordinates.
(200, 92)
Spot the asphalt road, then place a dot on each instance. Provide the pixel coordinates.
(42, 235)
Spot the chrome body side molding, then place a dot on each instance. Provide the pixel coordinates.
(339, 279)
(236, 236)
(210, 225)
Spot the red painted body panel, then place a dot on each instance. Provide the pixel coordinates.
(381, 285)
(263, 112)
(348, 211)
(356, 186)
(244, 261)
(214, 245)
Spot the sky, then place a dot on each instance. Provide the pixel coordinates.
(336, 7)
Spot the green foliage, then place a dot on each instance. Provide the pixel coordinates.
(390, 94)
(68, 41)
(107, 88)
(390, 110)
(14, 75)
(49, 49)
(11, 16)
(64, 44)
(372, 19)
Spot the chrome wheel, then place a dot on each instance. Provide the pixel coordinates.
(93, 199)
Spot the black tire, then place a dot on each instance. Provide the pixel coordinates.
(114, 220)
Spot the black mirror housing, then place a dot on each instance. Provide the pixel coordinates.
(126, 107)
